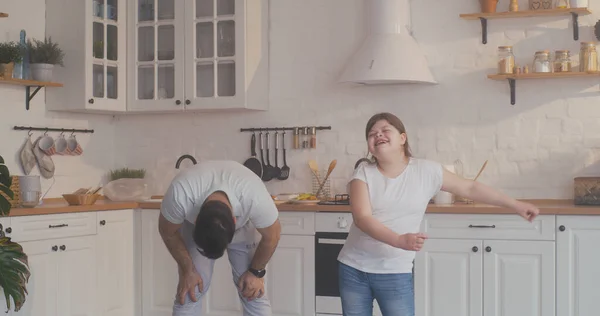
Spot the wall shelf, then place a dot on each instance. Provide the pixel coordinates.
(3, 15)
(28, 84)
(512, 78)
(483, 17)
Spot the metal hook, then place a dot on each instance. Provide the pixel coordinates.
(46, 132)
(29, 133)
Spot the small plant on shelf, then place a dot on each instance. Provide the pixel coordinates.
(14, 267)
(10, 53)
(43, 55)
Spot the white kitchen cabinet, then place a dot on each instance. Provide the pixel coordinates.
(92, 34)
(115, 263)
(577, 273)
(198, 55)
(62, 279)
(487, 272)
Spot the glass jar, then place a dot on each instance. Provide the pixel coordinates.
(541, 62)
(588, 57)
(561, 4)
(506, 60)
(562, 61)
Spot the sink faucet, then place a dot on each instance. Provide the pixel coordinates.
(182, 158)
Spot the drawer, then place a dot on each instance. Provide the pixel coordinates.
(488, 226)
(41, 227)
(297, 223)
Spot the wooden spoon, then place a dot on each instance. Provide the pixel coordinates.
(331, 167)
(480, 170)
(314, 167)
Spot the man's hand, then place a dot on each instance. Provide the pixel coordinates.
(250, 286)
(526, 210)
(187, 284)
(412, 242)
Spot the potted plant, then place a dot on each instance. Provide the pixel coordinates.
(14, 267)
(43, 55)
(10, 53)
(127, 185)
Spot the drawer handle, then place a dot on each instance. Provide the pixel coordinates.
(54, 248)
(482, 226)
(63, 247)
(8, 230)
(58, 226)
(102, 222)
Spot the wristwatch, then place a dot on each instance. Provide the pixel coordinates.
(258, 273)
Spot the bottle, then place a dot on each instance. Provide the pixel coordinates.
(313, 137)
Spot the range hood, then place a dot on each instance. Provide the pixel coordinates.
(389, 54)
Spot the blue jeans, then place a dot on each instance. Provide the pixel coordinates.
(393, 292)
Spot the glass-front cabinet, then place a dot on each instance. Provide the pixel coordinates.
(93, 36)
(198, 55)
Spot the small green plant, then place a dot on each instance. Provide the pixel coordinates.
(127, 174)
(45, 52)
(14, 266)
(10, 52)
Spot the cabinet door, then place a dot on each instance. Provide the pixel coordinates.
(159, 269)
(577, 265)
(215, 51)
(106, 55)
(448, 278)
(291, 276)
(156, 52)
(519, 278)
(42, 286)
(222, 297)
(115, 263)
(76, 267)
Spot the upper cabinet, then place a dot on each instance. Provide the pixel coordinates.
(92, 34)
(197, 55)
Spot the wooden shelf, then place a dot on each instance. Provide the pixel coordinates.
(3, 15)
(483, 17)
(512, 78)
(28, 84)
(526, 14)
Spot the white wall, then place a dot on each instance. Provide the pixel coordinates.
(71, 172)
(534, 148)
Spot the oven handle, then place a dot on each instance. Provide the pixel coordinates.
(331, 241)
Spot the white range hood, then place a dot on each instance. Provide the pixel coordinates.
(389, 54)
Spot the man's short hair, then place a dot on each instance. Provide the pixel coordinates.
(214, 229)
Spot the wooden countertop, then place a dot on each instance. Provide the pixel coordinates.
(547, 207)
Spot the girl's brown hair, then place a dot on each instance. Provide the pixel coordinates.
(392, 120)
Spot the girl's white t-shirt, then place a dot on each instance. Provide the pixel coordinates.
(399, 203)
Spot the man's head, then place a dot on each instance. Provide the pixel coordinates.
(214, 228)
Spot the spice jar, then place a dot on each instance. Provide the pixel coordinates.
(541, 61)
(562, 61)
(588, 57)
(506, 60)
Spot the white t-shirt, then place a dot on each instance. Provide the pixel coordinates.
(399, 204)
(247, 194)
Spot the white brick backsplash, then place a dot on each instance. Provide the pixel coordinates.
(534, 148)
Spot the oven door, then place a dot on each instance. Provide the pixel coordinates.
(327, 249)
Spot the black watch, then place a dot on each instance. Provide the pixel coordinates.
(258, 273)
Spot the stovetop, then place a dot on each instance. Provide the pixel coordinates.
(339, 199)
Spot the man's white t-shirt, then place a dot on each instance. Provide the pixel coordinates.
(247, 194)
(399, 204)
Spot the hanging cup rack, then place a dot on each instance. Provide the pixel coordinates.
(52, 129)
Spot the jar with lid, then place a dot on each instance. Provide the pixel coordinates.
(541, 61)
(562, 61)
(506, 60)
(588, 57)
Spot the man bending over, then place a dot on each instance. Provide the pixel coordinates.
(212, 207)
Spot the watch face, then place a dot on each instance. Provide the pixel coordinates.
(258, 273)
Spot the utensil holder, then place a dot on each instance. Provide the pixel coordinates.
(325, 194)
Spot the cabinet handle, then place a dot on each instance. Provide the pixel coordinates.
(102, 222)
(54, 248)
(91, 101)
(561, 228)
(63, 247)
(188, 102)
(8, 230)
(482, 226)
(475, 249)
(178, 102)
(58, 226)
(488, 248)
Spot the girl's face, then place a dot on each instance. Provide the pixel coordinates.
(385, 140)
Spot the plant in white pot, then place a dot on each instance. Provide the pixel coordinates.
(43, 55)
(127, 185)
(10, 53)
